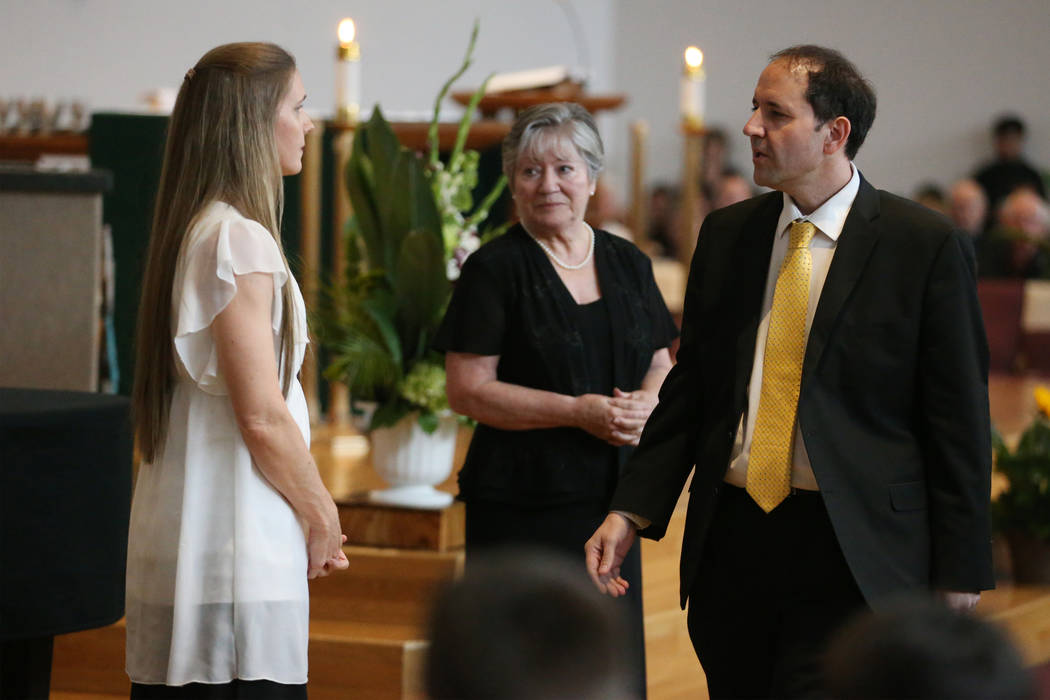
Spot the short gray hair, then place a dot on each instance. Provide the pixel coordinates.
(566, 118)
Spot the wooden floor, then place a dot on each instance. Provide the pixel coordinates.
(367, 624)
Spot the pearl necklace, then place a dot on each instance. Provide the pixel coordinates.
(558, 261)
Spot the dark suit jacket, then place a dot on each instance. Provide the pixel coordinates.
(894, 397)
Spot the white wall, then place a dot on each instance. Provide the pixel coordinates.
(943, 68)
(113, 51)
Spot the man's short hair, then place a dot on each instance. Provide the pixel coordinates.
(527, 625)
(1008, 125)
(836, 89)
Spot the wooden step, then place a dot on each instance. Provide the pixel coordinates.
(365, 661)
(70, 695)
(347, 659)
(383, 586)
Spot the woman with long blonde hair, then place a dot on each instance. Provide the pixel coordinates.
(230, 517)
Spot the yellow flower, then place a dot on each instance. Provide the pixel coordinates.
(1042, 399)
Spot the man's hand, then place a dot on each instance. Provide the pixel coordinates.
(605, 552)
(959, 600)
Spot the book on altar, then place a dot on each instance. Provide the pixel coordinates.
(527, 79)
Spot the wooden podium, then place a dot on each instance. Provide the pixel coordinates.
(518, 100)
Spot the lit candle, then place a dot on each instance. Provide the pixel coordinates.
(347, 75)
(692, 88)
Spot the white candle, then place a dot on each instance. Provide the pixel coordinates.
(347, 75)
(691, 92)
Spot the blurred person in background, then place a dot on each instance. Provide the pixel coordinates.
(931, 196)
(1009, 169)
(968, 206)
(1019, 245)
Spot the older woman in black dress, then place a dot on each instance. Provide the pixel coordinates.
(557, 343)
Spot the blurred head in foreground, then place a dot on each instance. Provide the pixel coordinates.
(919, 648)
(526, 625)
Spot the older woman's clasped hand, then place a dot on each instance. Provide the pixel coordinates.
(617, 419)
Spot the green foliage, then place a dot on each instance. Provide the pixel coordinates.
(1026, 503)
(453, 182)
(411, 228)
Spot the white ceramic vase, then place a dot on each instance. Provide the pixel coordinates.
(413, 462)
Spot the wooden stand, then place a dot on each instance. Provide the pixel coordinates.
(373, 525)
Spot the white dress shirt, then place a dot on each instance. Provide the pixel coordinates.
(829, 218)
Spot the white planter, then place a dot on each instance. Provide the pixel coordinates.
(413, 462)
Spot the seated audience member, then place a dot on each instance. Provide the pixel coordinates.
(919, 648)
(524, 625)
(1019, 246)
(1009, 170)
(713, 162)
(732, 188)
(663, 213)
(604, 211)
(968, 206)
(931, 196)
(1027, 212)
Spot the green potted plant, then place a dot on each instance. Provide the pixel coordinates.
(414, 222)
(1022, 511)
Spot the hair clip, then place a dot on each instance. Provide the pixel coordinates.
(189, 74)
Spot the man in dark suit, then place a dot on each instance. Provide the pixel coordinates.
(831, 391)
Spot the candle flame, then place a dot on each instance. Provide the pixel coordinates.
(694, 57)
(346, 31)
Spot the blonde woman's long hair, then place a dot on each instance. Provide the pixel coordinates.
(220, 146)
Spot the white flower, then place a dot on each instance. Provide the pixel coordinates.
(452, 269)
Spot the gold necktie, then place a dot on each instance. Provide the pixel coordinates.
(769, 464)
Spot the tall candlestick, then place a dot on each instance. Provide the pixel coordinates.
(347, 75)
(692, 88)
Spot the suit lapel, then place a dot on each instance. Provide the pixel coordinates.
(858, 238)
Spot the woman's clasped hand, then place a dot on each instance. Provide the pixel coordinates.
(617, 419)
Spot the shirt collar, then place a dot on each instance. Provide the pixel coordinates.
(829, 217)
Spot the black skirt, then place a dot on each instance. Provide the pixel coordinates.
(234, 690)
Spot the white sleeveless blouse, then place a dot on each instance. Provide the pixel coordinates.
(217, 563)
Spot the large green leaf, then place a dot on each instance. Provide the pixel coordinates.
(381, 308)
(369, 182)
(355, 246)
(410, 207)
(383, 150)
(360, 186)
(421, 290)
